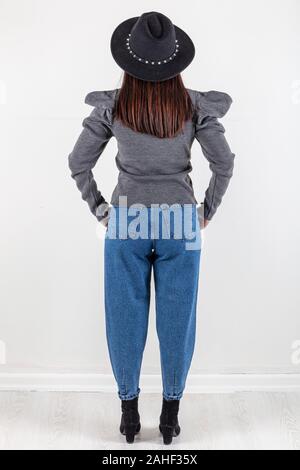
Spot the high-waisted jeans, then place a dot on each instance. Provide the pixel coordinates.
(153, 242)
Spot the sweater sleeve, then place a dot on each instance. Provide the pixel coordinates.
(209, 132)
(96, 132)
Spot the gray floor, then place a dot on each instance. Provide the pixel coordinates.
(63, 420)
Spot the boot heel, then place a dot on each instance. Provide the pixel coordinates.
(130, 430)
(168, 432)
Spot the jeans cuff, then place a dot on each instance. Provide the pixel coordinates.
(128, 396)
(172, 397)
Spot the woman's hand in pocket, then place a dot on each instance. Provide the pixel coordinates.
(104, 221)
(202, 221)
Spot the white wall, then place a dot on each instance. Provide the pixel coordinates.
(52, 54)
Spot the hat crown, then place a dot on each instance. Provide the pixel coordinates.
(153, 36)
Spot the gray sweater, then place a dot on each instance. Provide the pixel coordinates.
(154, 170)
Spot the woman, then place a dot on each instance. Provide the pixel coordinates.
(153, 210)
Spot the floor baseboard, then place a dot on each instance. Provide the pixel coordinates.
(204, 383)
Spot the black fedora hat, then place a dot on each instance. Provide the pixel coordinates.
(150, 47)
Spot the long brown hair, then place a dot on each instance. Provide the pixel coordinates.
(156, 108)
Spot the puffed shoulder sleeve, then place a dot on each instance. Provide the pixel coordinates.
(96, 132)
(209, 107)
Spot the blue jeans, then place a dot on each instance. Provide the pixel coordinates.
(153, 243)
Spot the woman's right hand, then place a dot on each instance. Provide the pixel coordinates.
(104, 221)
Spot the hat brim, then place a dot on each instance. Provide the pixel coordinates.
(149, 72)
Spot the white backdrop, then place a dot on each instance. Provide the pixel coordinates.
(52, 311)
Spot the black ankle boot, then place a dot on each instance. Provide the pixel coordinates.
(169, 426)
(130, 421)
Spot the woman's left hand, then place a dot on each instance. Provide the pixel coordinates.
(205, 223)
